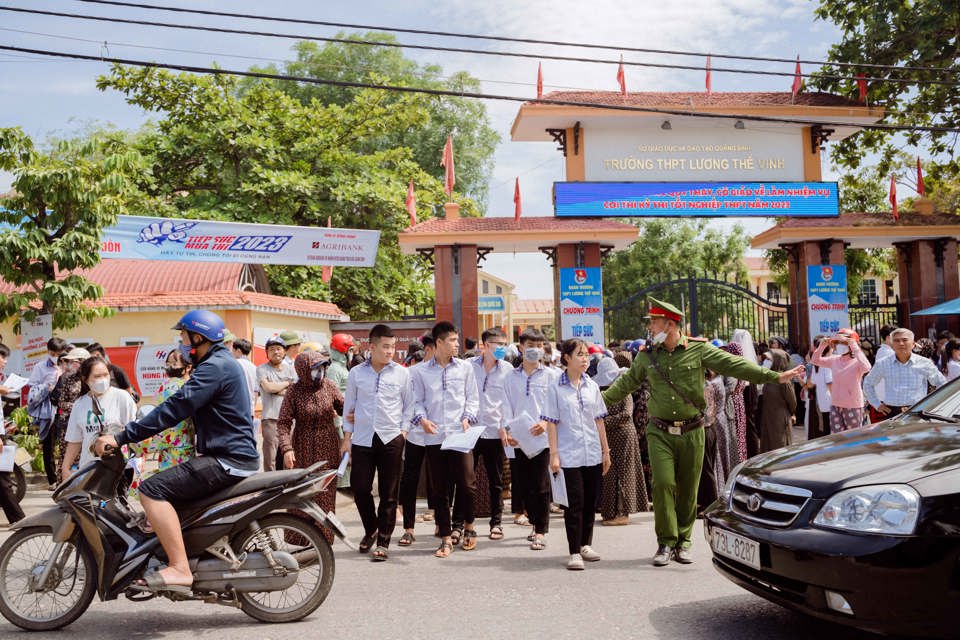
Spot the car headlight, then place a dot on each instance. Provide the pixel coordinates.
(890, 509)
(731, 480)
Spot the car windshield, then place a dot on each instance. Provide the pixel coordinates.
(945, 401)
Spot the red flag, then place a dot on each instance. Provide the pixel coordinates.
(862, 86)
(797, 80)
(709, 85)
(921, 188)
(517, 205)
(326, 273)
(539, 80)
(621, 78)
(893, 198)
(411, 203)
(449, 178)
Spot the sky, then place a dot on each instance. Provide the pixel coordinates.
(57, 97)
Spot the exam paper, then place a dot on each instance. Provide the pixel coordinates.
(463, 442)
(530, 444)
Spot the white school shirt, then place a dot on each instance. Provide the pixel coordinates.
(492, 396)
(575, 411)
(529, 394)
(821, 379)
(117, 408)
(250, 375)
(444, 395)
(382, 403)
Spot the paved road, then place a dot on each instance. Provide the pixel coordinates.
(502, 589)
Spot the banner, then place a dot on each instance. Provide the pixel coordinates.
(33, 340)
(827, 299)
(205, 241)
(144, 365)
(581, 304)
(695, 199)
(487, 304)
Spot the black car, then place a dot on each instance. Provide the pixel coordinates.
(861, 527)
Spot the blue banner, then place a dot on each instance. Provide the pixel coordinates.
(490, 303)
(695, 199)
(205, 241)
(581, 304)
(827, 302)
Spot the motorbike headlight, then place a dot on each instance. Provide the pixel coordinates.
(731, 480)
(890, 509)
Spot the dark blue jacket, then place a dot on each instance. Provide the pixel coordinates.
(217, 398)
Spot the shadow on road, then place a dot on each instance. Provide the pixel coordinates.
(745, 617)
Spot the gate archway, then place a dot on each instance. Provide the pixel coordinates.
(714, 308)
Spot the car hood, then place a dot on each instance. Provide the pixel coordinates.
(896, 451)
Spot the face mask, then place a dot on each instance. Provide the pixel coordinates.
(318, 374)
(841, 349)
(100, 386)
(174, 372)
(500, 352)
(766, 364)
(532, 354)
(54, 359)
(185, 350)
(659, 338)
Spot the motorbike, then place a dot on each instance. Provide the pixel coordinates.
(248, 548)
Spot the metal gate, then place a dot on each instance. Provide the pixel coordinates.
(714, 308)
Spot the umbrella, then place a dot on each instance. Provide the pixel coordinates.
(950, 307)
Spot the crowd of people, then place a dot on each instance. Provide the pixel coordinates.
(575, 427)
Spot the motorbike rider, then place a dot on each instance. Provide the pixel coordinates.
(216, 397)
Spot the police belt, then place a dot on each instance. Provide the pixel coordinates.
(677, 427)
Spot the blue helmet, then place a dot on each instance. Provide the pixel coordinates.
(202, 322)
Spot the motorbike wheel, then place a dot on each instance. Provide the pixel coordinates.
(19, 481)
(303, 539)
(67, 593)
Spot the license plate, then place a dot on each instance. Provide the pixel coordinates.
(736, 547)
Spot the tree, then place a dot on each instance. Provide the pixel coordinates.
(465, 118)
(890, 32)
(52, 222)
(260, 155)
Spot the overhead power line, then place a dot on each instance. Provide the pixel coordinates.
(474, 36)
(483, 52)
(477, 95)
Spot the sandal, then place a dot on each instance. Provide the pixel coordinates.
(153, 582)
(539, 543)
(455, 536)
(496, 532)
(367, 542)
(407, 539)
(521, 520)
(428, 516)
(380, 554)
(444, 550)
(469, 540)
(532, 535)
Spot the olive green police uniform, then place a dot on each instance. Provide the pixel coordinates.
(676, 450)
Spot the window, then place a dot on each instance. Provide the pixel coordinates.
(868, 292)
(773, 291)
(133, 342)
(486, 286)
(499, 289)
(891, 295)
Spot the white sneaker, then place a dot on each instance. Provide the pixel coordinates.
(575, 563)
(589, 554)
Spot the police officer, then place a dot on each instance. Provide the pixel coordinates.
(673, 364)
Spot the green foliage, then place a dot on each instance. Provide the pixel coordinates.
(27, 438)
(474, 139)
(893, 32)
(62, 199)
(260, 155)
(860, 263)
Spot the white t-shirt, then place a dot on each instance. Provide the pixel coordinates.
(953, 369)
(117, 408)
(822, 378)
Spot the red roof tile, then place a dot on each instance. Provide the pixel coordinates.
(686, 99)
(542, 223)
(230, 299)
(533, 306)
(855, 219)
(756, 263)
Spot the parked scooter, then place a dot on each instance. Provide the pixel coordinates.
(246, 550)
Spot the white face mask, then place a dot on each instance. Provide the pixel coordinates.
(766, 364)
(100, 386)
(841, 349)
(533, 354)
(659, 338)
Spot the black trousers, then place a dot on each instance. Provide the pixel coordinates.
(49, 461)
(583, 486)
(707, 491)
(533, 476)
(8, 499)
(490, 453)
(517, 490)
(386, 460)
(413, 455)
(447, 469)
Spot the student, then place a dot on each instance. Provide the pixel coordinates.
(446, 401)
(241, 351)
(490, 371)
(413, 454)
(578, 445)
(274, 376)
(526, 389)
(377, 412)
